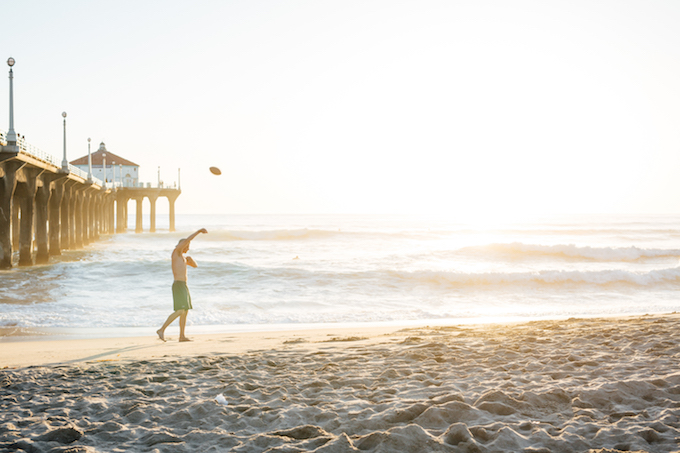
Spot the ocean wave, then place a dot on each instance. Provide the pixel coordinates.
(302, 234)
(589, 231)
(270, 235)
(570, 251)
(422, 232)
(225, 233)
(300, 280)
(542, 278)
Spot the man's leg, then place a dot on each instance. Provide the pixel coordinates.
(182, 325)
(172, 317)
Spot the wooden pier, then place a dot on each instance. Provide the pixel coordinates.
(46, 207)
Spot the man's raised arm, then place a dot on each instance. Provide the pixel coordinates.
(184, 242)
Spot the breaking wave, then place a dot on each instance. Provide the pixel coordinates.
(542, 278)
(519, 250)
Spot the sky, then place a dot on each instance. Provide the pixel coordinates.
(489, 108)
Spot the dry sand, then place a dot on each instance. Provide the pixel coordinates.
(545, 386)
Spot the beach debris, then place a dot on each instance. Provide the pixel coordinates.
(221, 400)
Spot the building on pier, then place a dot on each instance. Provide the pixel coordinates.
(110, 167)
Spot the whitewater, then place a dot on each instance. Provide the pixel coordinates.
(273, 270)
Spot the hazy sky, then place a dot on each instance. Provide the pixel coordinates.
(492, 107)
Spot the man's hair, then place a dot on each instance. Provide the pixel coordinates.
(180, 241)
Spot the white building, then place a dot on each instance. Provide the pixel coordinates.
(125, 172)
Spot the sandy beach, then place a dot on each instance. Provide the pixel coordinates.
(609, 384)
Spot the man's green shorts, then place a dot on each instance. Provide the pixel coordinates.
(181, 296)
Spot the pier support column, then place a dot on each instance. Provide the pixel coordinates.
(110, 207)
(99, 214)
(171, 200)
(57, 189)
(121, 223)
(138, 216)
(78, 217)
(42, 198)
(99, 211)
(8, 184)
(96, 201)
(26, 192)
(85, 215)
(125, 214)
(105, 213)
(88, 232)
(72, 201)
(90, 215)
(66, 208)
(16, 228)
(152, 217)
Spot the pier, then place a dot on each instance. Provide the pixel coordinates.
(47, 206)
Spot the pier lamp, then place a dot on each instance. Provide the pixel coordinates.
(64, 161)
(104, 167)
(113, 168)
(89, 161)
(11, 134)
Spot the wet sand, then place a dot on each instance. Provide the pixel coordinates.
(610, 384)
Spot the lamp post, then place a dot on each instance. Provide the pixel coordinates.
(89, 161)
(64, 161)
(104, 167)
(120, 168)
(11, 134)
(113, 168)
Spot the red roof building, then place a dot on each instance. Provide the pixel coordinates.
(118, 170)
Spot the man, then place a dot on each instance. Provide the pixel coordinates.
(180, 290)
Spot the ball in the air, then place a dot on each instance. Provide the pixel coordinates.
(215, 171)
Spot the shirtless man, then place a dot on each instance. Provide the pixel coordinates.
(180, 290)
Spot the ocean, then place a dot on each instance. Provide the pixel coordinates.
(278, 271)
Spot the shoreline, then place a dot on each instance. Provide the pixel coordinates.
(57, 346)
(57, 352)
(11, 334)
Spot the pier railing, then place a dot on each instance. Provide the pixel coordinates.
(37, 153)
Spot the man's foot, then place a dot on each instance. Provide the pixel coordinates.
(161, 334)
(185, 339)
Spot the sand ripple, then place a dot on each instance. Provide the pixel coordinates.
(549, 386)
